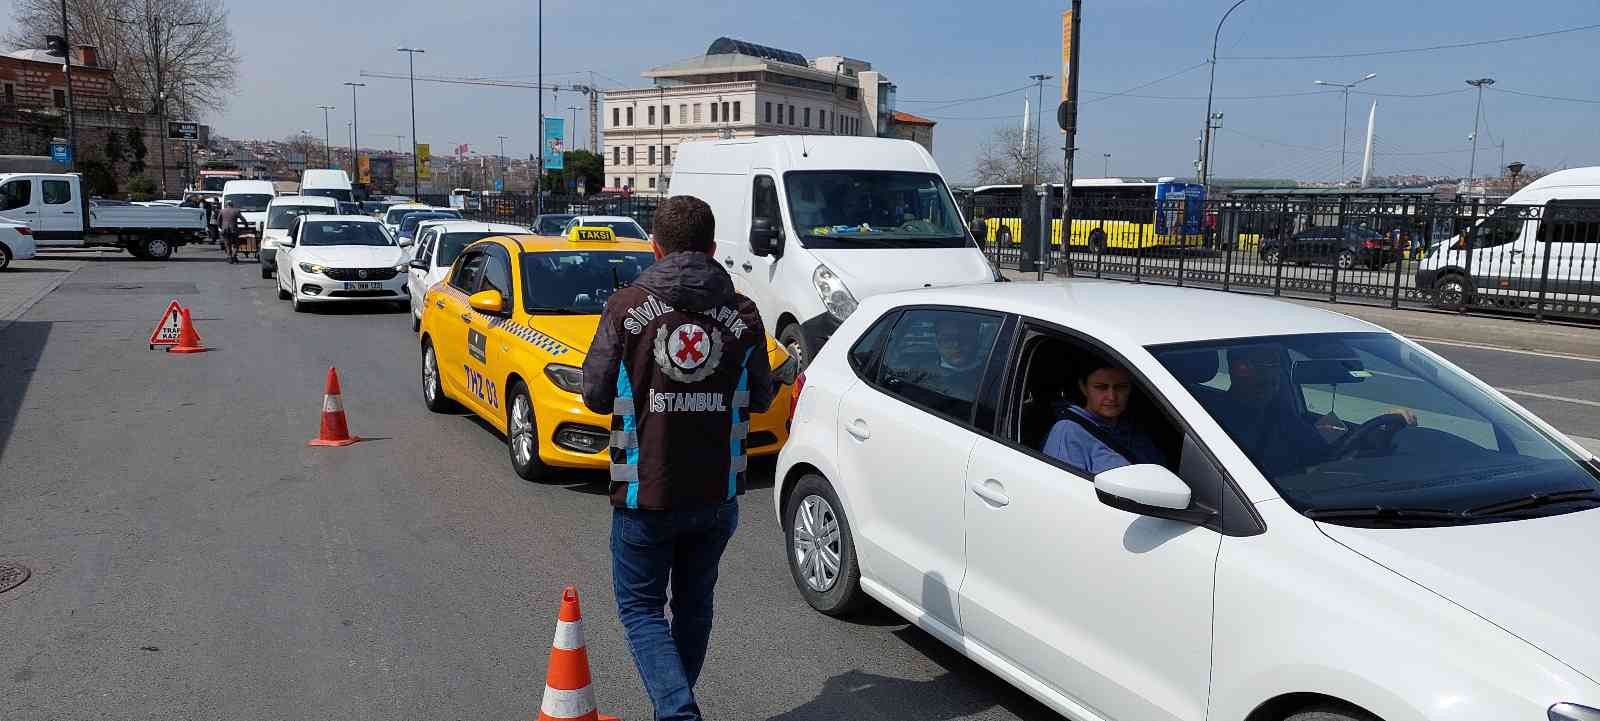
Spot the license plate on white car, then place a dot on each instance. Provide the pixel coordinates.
(364, 285)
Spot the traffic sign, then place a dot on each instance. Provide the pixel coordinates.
(169, 327)
(499, 185)
(186, 130)
(61, 153)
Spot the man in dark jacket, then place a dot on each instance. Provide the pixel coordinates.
(680, 363)
(229, 220)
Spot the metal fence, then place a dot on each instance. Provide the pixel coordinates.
(1541, 261)
(521, 209)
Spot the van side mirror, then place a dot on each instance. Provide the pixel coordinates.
(765, 238)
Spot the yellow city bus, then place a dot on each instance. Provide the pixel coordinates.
(1107, 213)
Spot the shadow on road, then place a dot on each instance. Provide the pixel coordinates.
(15, 269)
(125, 258)
(22, 343)
(962, 690)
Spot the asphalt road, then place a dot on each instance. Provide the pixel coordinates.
(192, 558)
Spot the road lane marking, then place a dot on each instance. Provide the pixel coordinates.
(1563, 399)
(1479, 346)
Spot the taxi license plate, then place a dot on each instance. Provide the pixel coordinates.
(364, 285)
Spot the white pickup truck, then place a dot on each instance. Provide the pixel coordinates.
(54, 206)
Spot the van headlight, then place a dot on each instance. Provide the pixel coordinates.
(567, 378)
(835, 296)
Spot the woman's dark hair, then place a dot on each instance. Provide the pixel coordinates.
(1088, 368)
(684, 222)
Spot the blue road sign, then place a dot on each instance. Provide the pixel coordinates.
(60, 153)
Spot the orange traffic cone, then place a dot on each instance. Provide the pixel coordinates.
(188, 338)
(567, 693)
(334, 430)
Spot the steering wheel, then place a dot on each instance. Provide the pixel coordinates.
(1370, 438)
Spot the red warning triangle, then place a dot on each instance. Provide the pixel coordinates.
(168, 328)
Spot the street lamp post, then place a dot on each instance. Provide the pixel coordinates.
(1472, 166)
(1205, 161)
(1345, 134)
(327, 137)
(411, 72)
(500, 162)
(72, 118)
(355, 129)
(1038, 130)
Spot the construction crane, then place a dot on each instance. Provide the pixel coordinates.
(555, 90)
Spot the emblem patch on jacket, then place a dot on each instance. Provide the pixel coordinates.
(688, 353)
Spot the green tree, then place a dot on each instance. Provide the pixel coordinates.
(141, 187)
(99, 179)
(114, 150)
(136, 143)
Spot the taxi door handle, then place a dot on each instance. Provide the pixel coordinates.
(466, 318)
(439, 304)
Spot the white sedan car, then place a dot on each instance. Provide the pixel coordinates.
(341, 258)
(622, 225)
(1306, 516)
(437, 245)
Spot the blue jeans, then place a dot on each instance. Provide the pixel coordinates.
(649, 550)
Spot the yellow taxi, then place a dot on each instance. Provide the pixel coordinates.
(505, 333)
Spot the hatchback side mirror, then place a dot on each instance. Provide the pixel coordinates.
(765, 238)
(1146, 489)
(419, 265)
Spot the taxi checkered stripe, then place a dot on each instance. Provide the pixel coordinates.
(550, 345)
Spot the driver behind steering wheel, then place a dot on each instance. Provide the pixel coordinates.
(1272, 430)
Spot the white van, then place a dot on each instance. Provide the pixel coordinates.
(808, 225)
(251, 198)
(281, 214)
(327, 184)
(1545, 237)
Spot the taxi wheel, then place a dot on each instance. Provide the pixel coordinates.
(432, 389)
(522, 436)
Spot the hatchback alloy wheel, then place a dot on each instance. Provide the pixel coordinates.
(815, 540)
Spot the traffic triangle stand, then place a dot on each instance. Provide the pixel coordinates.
(168, 328)
(188, 338)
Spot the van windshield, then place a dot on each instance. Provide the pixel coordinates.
(247, 202)
(873, 209)
(335, 193)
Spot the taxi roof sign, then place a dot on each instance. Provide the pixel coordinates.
(591, 233)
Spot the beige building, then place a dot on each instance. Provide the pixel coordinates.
(737, 90)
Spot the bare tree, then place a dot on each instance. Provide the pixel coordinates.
(1008, 157)
(182, 49)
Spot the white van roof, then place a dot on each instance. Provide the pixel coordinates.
(324, 178)
(254, 187)
(304, 201)
(802, 152)
(1570, 178)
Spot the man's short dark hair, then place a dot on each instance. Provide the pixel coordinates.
(685, 222)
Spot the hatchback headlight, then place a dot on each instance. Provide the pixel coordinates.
(567, 378)
(1573, 712)
(835, 296)
(401, 267)
(312, 268)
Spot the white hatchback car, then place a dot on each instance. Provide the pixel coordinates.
(437, 245)
(622, 225)
(1324, 521)
(340, 258)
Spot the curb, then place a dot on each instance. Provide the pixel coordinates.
(7, 320)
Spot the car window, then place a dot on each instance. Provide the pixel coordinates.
(1571, 221)
(340, 232)
(866, 347)
(57, 192)
(465, 276)
(936, 359)
(1502, 226)
(449, 245)
(425, 246)
(496, 272)
(622, 228)
(16, 194)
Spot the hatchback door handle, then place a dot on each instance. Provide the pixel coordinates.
(992, 493)
(748, 267)
(858, 429)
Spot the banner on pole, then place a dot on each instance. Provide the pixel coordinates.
(364, 169)
(424, 162)
(1066, 57)
(554, 143)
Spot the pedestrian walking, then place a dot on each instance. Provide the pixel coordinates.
(679, 362)
(228, 220)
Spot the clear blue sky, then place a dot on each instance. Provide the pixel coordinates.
(296, 54)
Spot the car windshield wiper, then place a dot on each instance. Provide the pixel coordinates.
(1536, 500)
(1388, 514)
(554, 310)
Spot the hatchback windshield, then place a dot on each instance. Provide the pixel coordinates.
(1360, 429)
(247, 202)
(872, 209)
(451, 244)
(578, 282)
(408, 225)
(552, 224)
(280, 217)
(339, 232)
(622, 228)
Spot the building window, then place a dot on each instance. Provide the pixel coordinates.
(822, 119)
(713, 112)
(735, 111)
(652, 155)
(61, 98)
(616, 182)
(666, 115)
(650, 115)
(850, 93)
(768, 112)
(652, 183)
(724, 111)
(666, 155)
(11, 94)
(630, 117)
(630, 182)
(806, 114)
(683, 112)
(697, 112)
(616, 117)
(791, 115)
(616, 156)
(630, 155)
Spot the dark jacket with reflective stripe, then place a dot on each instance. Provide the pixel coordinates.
(680, 363)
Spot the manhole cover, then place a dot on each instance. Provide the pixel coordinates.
(12, 575)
